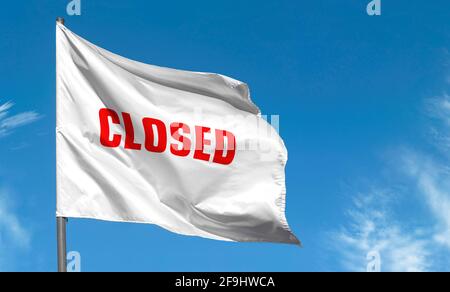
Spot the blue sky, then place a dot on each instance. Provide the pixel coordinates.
(364, 111)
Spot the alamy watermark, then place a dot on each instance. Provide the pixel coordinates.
(73, 261)
(373, 261)
(374, 8)
(74, 8)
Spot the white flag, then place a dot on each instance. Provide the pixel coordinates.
(187, 151)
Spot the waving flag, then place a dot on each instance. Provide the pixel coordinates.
(187, 151)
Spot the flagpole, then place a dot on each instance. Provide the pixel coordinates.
(61, 226)
(61, 238)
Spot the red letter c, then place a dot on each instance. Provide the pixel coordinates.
(105, 140)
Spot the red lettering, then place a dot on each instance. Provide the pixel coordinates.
(231, 147)
(150, 135)
(186, 147)
(105, 140)
(156, 138)
(129, 133)
(200, 143)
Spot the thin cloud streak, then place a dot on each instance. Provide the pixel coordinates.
(371, 229)
(4, 109)
(433, 182)
(8, 124)
(403, 246)
(13, 235)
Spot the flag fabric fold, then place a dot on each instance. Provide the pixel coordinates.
(187, 151)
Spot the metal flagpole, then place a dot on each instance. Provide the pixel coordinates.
(61, 238)
(61, 225)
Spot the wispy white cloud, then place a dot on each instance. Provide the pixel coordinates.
(13, 235)
(373, 219)
(372, 229)
(431, 173)
(437, 195)
(4, 109)
(438, 109)
(9, 123)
